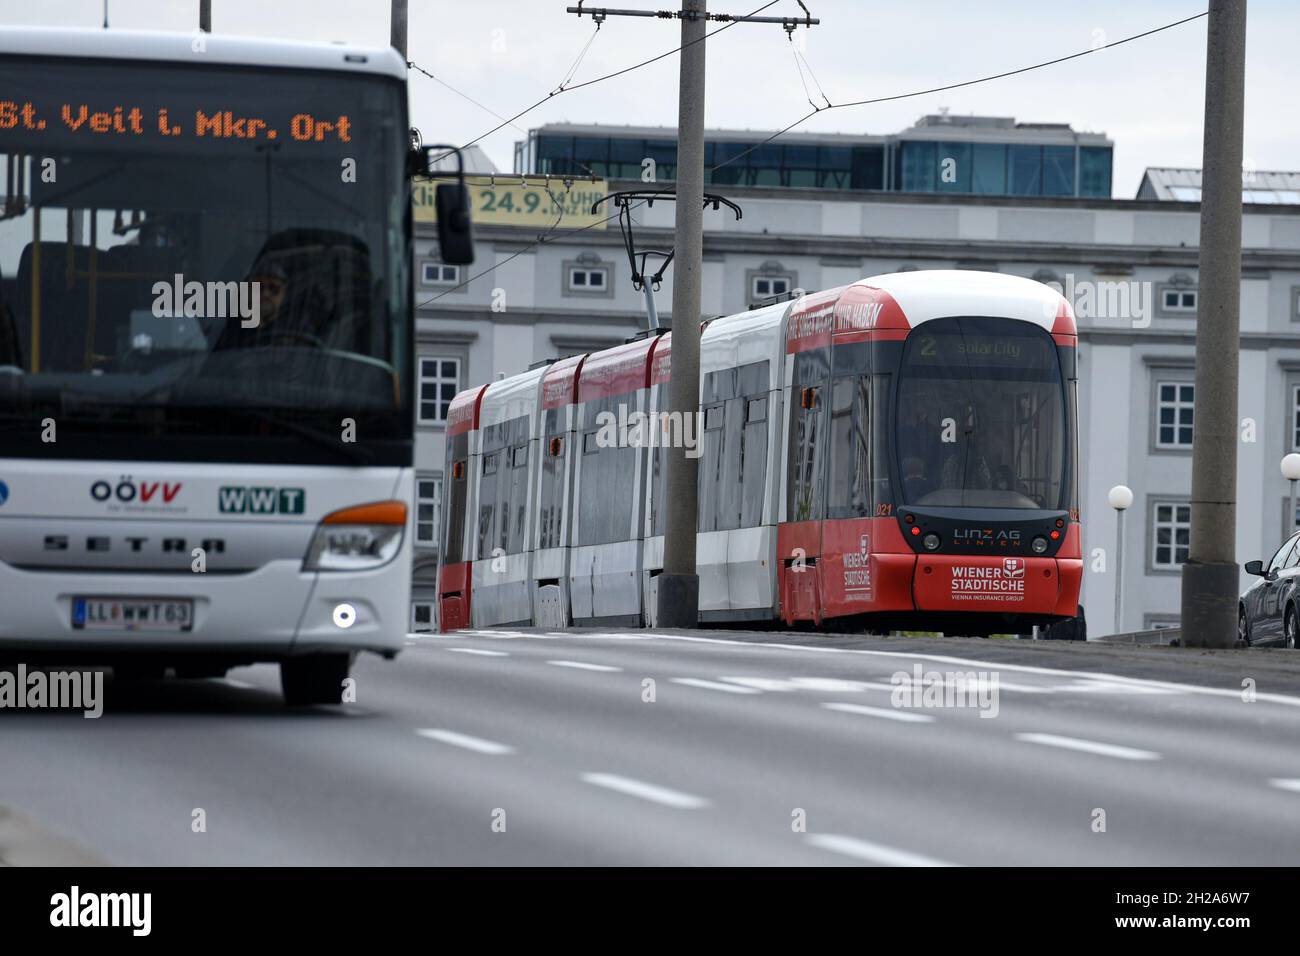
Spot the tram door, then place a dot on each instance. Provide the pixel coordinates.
(807, 458)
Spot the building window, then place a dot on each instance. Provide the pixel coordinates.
(1175, 404)
(439, 382)
(764, 287)
(421, 616)
(1179, 300)
(1295, 418)
(588, 278)
(587, 275)
(428, 510)
(438, 273)
(1295, 515)
(1295, 303)
(1172, 525)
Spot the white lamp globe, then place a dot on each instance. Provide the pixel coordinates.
(1121, 496)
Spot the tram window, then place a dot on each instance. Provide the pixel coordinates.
(453, 511)
(605, 500)
(807, 457)
(551, 498)
(849, 494)
(717, 492)
(982, 416)
(733, 459)
(503, 488)
(657, 520)
(753, 463)
(881, 492)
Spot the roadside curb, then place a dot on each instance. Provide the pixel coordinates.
(23, 843)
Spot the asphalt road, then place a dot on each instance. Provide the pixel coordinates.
(522, 748)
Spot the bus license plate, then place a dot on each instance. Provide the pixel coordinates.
(132, 614)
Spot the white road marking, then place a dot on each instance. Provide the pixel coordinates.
(1089, 746)
(1138, 684)
(237, 684)
(481, 652)
(584, 666)
(714, 685)
(905, 716)
(1283, 783)
(1107, 687)
(465, 741)
(967, 663)
(592, 635)
(777, 684)
(871, 852)
(646, 791)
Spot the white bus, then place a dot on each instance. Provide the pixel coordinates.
(206, 325)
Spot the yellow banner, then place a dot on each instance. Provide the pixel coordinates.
(508, 203)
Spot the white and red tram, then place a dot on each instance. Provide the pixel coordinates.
(900, 452)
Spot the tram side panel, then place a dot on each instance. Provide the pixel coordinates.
(557, 453)
(456, 554)
(609, 494)
(799, 536)
(656, 463)
(508, 453)
(737, 539)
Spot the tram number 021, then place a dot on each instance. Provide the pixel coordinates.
(884, 511)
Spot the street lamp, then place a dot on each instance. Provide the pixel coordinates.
(1291, 472)
(1120, 498)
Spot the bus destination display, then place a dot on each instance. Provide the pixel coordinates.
(97, 121)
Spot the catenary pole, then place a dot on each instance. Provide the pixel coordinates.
(1210, 576)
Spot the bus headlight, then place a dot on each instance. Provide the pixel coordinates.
(1039, 545)
(357, 539)
(931, 542)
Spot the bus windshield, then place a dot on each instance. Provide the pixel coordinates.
(982, 416)
(203, 262)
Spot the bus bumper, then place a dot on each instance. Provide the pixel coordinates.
(273, 612)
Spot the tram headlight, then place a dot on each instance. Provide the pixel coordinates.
(1038, 545)
(931, 542)
(357, 539)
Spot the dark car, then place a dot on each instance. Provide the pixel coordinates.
(1269, 607)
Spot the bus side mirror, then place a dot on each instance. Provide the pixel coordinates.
(451, 202)
(1255, 567)
(455, 231)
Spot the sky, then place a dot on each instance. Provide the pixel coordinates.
(1147, 96)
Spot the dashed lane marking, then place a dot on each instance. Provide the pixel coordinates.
(584, 666)
(1089, 746)
(714, 685)
(466, 742)
(646, 791)
(902, 716)
(871, 852)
